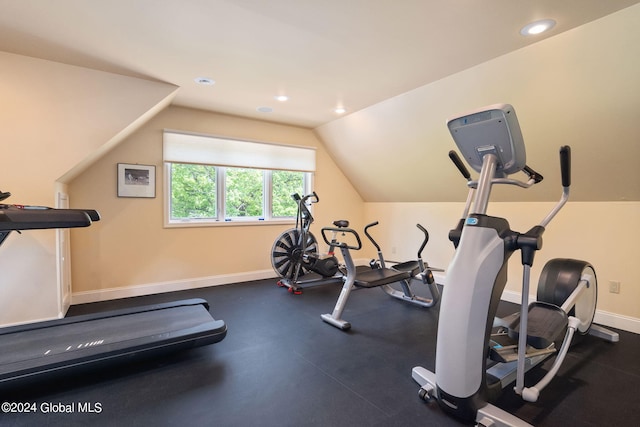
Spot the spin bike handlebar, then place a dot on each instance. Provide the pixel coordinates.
(304, 216)
(342, 230)
(313, 196)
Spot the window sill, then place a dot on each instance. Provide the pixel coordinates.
(229, 223)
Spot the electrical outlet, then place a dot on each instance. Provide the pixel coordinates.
(614, 287)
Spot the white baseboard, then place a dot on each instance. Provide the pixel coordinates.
(176, 285)
(604, 318)
(613, 320)
(171, 286)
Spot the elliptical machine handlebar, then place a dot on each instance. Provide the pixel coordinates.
(533, 174)
(565, 170)
(565, 165)
(455, 158)
(534, 177)
(454, 234)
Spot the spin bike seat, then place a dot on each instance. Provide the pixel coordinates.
(341, 223)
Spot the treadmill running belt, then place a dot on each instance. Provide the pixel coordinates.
(53, 346)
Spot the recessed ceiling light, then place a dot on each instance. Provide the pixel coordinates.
(537, 27)
(340, 110)
(282, 98)
(265, 109)
(205, 81)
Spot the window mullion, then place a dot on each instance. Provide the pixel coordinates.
(220, 192)
(268, 195)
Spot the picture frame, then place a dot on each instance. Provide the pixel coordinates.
(135, 180)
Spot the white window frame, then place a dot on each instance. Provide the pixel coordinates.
(180, 147)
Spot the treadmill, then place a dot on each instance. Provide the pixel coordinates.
(34, 351)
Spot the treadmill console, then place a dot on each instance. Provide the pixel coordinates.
(31, 217)
(490, 130)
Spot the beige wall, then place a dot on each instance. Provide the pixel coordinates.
(602, 233)
(130, 248)
(57, 118)
(53, 117)
(130, 252)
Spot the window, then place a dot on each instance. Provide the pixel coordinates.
(193, 191)
(209, 180)
(284, 184)
(244, 193)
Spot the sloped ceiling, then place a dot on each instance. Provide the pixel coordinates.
(400, 68)
(56, 118)
(580, 88)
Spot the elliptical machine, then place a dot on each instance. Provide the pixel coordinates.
(472, 364)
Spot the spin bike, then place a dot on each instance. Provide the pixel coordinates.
(474, 364)
(378, 275)
(295, 252)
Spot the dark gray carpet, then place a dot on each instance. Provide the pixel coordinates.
(280, 365)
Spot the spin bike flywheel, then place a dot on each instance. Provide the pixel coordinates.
(287, 253)
(559, 278)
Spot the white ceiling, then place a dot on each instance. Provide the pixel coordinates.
(399, 67)
(321, 53)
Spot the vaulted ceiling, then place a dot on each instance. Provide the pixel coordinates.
(399, 68)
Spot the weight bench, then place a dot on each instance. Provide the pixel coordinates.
(356, 279)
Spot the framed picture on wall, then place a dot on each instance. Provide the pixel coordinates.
(136, 180)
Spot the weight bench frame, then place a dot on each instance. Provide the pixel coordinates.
(369, 279)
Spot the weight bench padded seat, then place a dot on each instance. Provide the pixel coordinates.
(379, 277)
(411, 266)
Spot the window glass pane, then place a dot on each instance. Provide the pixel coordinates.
(244, 193)
(193, 191)
(284, 184)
